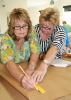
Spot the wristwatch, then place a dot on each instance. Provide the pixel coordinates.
(46, 62)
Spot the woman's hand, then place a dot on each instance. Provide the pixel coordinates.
(27, 82)
(39, 73)
(34, 76)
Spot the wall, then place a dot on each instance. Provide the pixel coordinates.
(4, 11)
(3, 21)
(64, 15)
(33, 7)
(34, 13)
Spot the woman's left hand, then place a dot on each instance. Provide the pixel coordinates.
(39, 73)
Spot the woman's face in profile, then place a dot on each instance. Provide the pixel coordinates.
(46, 26)
(20, 28)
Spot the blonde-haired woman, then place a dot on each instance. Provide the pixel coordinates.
(51, 38)
(19, 44)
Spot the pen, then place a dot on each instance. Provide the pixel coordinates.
(37, 86)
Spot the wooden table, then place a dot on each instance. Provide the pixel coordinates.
(7, 92)
(57, 83)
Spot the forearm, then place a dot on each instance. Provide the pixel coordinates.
(50, 55)
(14, 70)
(33, 60)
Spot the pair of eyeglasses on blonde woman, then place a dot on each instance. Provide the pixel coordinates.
(18, 27)
(46, 27)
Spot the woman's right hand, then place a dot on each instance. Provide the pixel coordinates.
(27, 82)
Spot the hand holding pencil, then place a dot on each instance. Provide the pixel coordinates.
(28, 84)
(26, 81)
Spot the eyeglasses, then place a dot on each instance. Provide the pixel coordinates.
(46, 28)
(20, 27)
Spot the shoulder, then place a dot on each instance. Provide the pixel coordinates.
(59, 28)
(6, 39)
(4, 36)
(59, 32)
(33, 33)
(37, 27)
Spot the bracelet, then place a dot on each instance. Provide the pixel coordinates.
(46, 62)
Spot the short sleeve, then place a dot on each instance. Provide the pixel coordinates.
(59, 38)
(34, 44)
(6, 49)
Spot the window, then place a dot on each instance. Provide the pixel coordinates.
(67, 8)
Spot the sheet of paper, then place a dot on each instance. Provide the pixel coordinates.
(60, 63)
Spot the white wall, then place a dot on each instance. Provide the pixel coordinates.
(33, 6)
(34, 13)
(3, 20)
(64, 15)
(33, 9)
(4, 11)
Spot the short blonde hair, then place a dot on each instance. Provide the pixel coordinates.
(50, 14)
(17, 14)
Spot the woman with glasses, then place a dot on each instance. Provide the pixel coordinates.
(19, 44)
(51, 38)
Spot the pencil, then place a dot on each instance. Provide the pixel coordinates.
(37, 86)
(23, 71)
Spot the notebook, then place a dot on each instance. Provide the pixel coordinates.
(60, 63)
